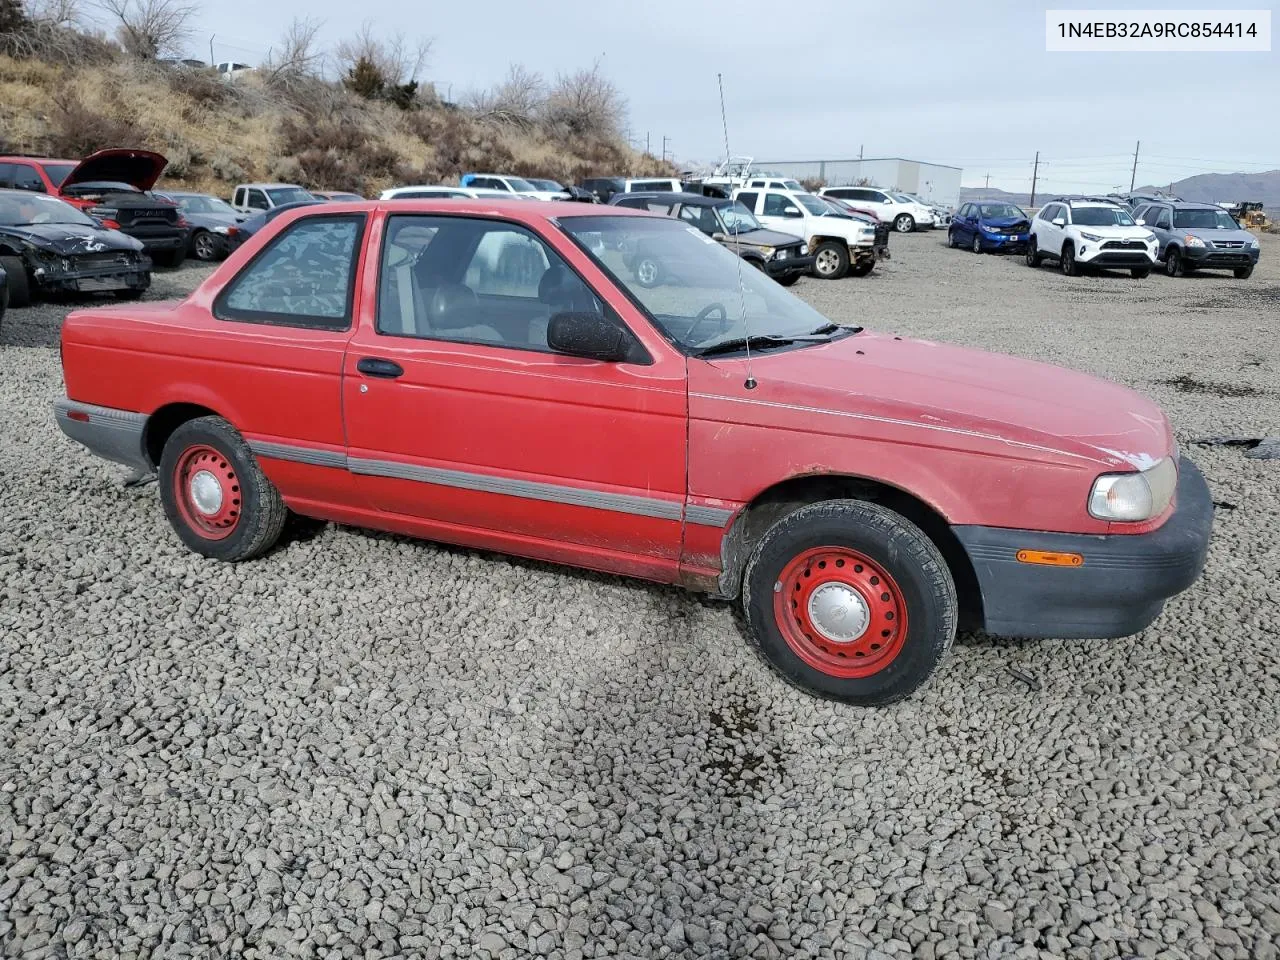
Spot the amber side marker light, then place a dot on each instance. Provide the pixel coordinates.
(1050, 559)
(78, 415)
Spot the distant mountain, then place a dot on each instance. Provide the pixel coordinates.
(1204, 187)
(1229, 187)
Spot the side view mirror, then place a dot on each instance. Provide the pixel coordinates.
(587, 335)
(1059, 222)
(719, 237)
(790, 211)
(1140, 222)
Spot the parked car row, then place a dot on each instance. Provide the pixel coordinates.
(1086, 233)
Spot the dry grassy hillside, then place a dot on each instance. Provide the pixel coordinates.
(313, 132)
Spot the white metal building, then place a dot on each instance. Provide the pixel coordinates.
(930, 181)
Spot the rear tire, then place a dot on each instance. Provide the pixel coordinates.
(19, 287)
(831, 260)
(215, 495)
(851, 601)
(4, 302)
(170, 258)
(1033, 254)
(1243, 273)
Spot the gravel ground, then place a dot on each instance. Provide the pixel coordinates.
(366, 746)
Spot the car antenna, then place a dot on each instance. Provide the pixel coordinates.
(750, 382)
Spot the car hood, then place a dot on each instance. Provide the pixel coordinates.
(943, 395)
(1206, 233)
(71, 239)
(138, 168)
(763, 238)
(549, 195)
(213, 220)
(1116, 232)
(1005, 221)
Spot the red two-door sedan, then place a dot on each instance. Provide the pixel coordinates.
(491, 374)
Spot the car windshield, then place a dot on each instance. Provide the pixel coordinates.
(17, 211)
(697, 291)
(814, 205)
(1204, 220)
(57, 172)
(903, 198)
(998, 210)
(521, 186)
(281, 195)
(1100, 217)
(204, 205)
(546, 185)
(737, 218)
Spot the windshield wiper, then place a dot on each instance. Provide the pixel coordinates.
(741, 343)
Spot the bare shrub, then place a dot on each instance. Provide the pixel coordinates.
(227, 168)
(295, 57)
(813, 184)
(152, 28)
(79, 130)
(460, 144)
(338, 156)
(52, 31)
(585, 104)
(516, 101)
(381, 69)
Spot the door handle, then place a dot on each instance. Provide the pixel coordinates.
(377, 367)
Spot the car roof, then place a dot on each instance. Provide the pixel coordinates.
(272, 186)
(1191, 205)
(688, 199)
(516, 210)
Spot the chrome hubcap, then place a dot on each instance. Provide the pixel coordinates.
(206, 492)
(648, 271)
(827, 261)
(838, 612)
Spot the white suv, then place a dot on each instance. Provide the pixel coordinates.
(1091, 232)
(840, 245)
(898, 209)
(510, 184)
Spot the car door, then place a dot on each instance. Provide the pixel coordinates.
(1162, 227)
(1053, 232)
(461, 419)
(778, 211)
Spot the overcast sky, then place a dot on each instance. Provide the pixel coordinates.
(961, 83)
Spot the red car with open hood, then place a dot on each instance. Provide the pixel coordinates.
(491, 374)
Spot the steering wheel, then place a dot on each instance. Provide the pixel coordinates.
(705, 314)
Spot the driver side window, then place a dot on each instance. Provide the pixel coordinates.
(777, 205)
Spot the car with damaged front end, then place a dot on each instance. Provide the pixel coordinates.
(493, 374)
(49, 248)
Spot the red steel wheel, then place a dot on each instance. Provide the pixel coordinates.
(840, 612)
(207, 492)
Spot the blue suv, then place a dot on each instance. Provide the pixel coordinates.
(994, 226)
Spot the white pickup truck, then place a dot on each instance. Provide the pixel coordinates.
(839, 245)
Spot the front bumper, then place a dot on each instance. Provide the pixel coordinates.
(1119, 588)
(1210, 257)
(1101, 257)
(788, 267)
(1004, 241)
(91, 277)
(159, 238)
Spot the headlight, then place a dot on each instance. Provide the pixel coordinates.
(1134, 496)
(988, 228)
(1191, 241)
(222, 230)
(767, 252)
(1090, 236)
(1253, 243)
(1150, 238)
(782, 254)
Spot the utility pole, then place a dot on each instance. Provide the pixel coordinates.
(211, 36)
(665, 140)
(1134, 175)
(1034, 173)
(987, 187)
(646, 142)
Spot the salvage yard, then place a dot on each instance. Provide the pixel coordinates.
(362, 745)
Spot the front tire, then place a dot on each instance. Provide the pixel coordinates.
(862, 267)
(1068, 262)
(215, 495)
(977, 243)
(789, 280)
(951, 239)
(206, 246)
(849, 600)
(831, 260)
(1243, 273)
(19, 287)
(904, 223)
(1033, 253)
(648, 272)
(1173, 264)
